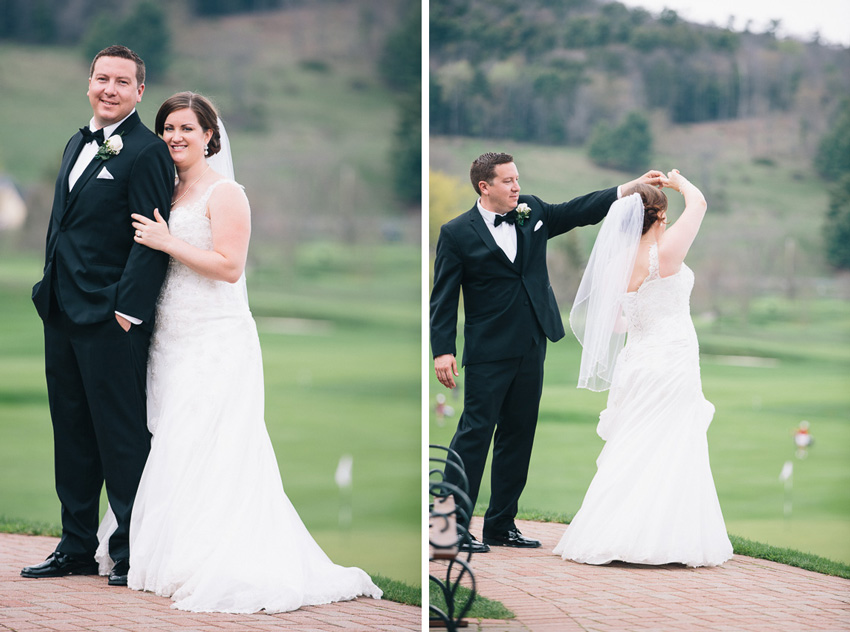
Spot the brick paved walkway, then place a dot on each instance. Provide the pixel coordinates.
(73, 604)
(548, 594)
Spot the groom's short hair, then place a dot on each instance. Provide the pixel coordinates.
(484, 168)
(116, 50)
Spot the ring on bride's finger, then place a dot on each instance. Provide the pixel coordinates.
(138, 233)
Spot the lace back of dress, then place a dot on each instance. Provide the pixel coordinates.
(661, 305)
(653, 263)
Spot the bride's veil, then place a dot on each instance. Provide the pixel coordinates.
(597, 311)
(223, 160)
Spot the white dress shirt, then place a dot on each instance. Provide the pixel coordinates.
(504, 233)
(89, 150)
(87, 154)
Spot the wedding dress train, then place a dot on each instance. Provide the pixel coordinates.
(212, 527)
(652, 500)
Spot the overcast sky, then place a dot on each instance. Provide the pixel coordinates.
(798, 18)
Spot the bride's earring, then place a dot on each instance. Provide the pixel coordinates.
(206, 150)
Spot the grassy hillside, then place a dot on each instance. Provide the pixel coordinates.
(310, 122)
(762, 233)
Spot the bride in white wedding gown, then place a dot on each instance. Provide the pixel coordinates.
(652, 500)
(212, 527)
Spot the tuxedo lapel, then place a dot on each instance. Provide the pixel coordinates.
(74, 149)
(523, 239)
(480, 227)
(125, 128)
(81, 181)
(75, 146)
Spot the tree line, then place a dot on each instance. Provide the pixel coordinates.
(63, 22)
(143, 25)
(832, 162)
(550, 72)
(139, 24)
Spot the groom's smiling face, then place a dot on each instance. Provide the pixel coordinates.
(502, 194)
(113, 90)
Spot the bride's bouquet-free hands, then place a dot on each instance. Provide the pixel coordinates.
(152, 233)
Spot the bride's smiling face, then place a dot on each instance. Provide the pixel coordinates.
(185, 137)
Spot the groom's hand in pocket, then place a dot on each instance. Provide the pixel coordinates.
(125, 324)
(446, 368)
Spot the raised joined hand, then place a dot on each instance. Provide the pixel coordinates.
(653, 177)
(675, 180)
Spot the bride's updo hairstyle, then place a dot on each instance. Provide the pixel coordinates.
(203, 109)
(654, 203)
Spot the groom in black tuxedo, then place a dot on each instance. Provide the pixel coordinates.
(496, 254)
(97, 300)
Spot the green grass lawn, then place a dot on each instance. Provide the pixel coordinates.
(343, 378)
(752, 240)
(758, 409)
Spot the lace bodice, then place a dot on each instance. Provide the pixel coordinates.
(660, 308)
(186, 294)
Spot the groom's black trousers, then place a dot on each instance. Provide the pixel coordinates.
(96, 389)
(501, 402)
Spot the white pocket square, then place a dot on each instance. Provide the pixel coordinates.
(538, 225)
(104, 175)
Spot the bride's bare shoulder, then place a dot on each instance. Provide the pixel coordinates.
(640, 272)
(227, 193)
(669, 260)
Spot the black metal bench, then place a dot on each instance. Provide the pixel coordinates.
(449, 512)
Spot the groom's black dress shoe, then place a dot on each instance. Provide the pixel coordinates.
(118, 574)
(513, 538)
(59, 565)
(473, 546)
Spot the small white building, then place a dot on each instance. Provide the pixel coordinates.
(13, 210)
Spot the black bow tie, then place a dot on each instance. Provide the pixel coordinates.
(89, 136)
(510, 218)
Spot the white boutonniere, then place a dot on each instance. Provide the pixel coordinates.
(112, 146)
(522, 213)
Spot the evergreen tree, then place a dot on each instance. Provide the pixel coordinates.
(400, 68)
(145, 31)
(406, 154)
(401, 60)
(833, 156)
(627, 147)
(836, 229)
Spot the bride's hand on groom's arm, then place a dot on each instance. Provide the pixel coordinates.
(446, 368)
(152, 233)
